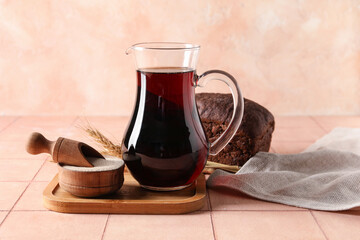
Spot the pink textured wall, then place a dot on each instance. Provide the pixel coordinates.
(67, 57)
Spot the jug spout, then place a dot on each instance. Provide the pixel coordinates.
(129, 50)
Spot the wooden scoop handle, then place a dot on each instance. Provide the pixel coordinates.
(64, 151)
(39, 144)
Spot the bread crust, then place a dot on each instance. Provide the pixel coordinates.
(253, 135)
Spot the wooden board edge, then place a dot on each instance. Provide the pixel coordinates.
(188, 205)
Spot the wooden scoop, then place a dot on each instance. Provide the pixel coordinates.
(83, 171)
(63, 150)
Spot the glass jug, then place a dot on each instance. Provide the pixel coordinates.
(165, 146)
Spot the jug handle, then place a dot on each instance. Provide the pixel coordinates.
(238, 112)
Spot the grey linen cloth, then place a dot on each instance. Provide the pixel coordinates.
(326, 176)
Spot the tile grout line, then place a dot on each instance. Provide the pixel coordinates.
(317, 223)
(317, 123)
(32, 210)
(106, 223)
(27, 186)
(11, 123)
(42, 165)
(21, 181)
(73, 122)
(212, 225)
(211, 215)
(32, 180)
(21, 158)
(15, 204)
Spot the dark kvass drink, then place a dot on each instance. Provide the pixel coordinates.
(165, 144)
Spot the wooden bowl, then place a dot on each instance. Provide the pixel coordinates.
(92, 182)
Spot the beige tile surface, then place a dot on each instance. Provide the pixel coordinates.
(234, 216)
(10, 193)
(295, 122)
(17, 149)
(227, 200)
(289, 147)
(46, 172)
(51, 127)
(251, 225)
(339, 225)
(47, 122)
(107, 123)
(19, 169)
(31, 225)
(32, 197)
(6, 121)
(188, 226)
(302, 134)
(330, 122)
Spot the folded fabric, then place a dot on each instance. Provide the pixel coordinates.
(324, 177)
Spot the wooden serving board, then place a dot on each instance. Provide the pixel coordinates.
(131, 199)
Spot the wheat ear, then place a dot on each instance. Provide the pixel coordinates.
(109, 147)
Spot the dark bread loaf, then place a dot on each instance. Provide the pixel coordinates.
(253, 135)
